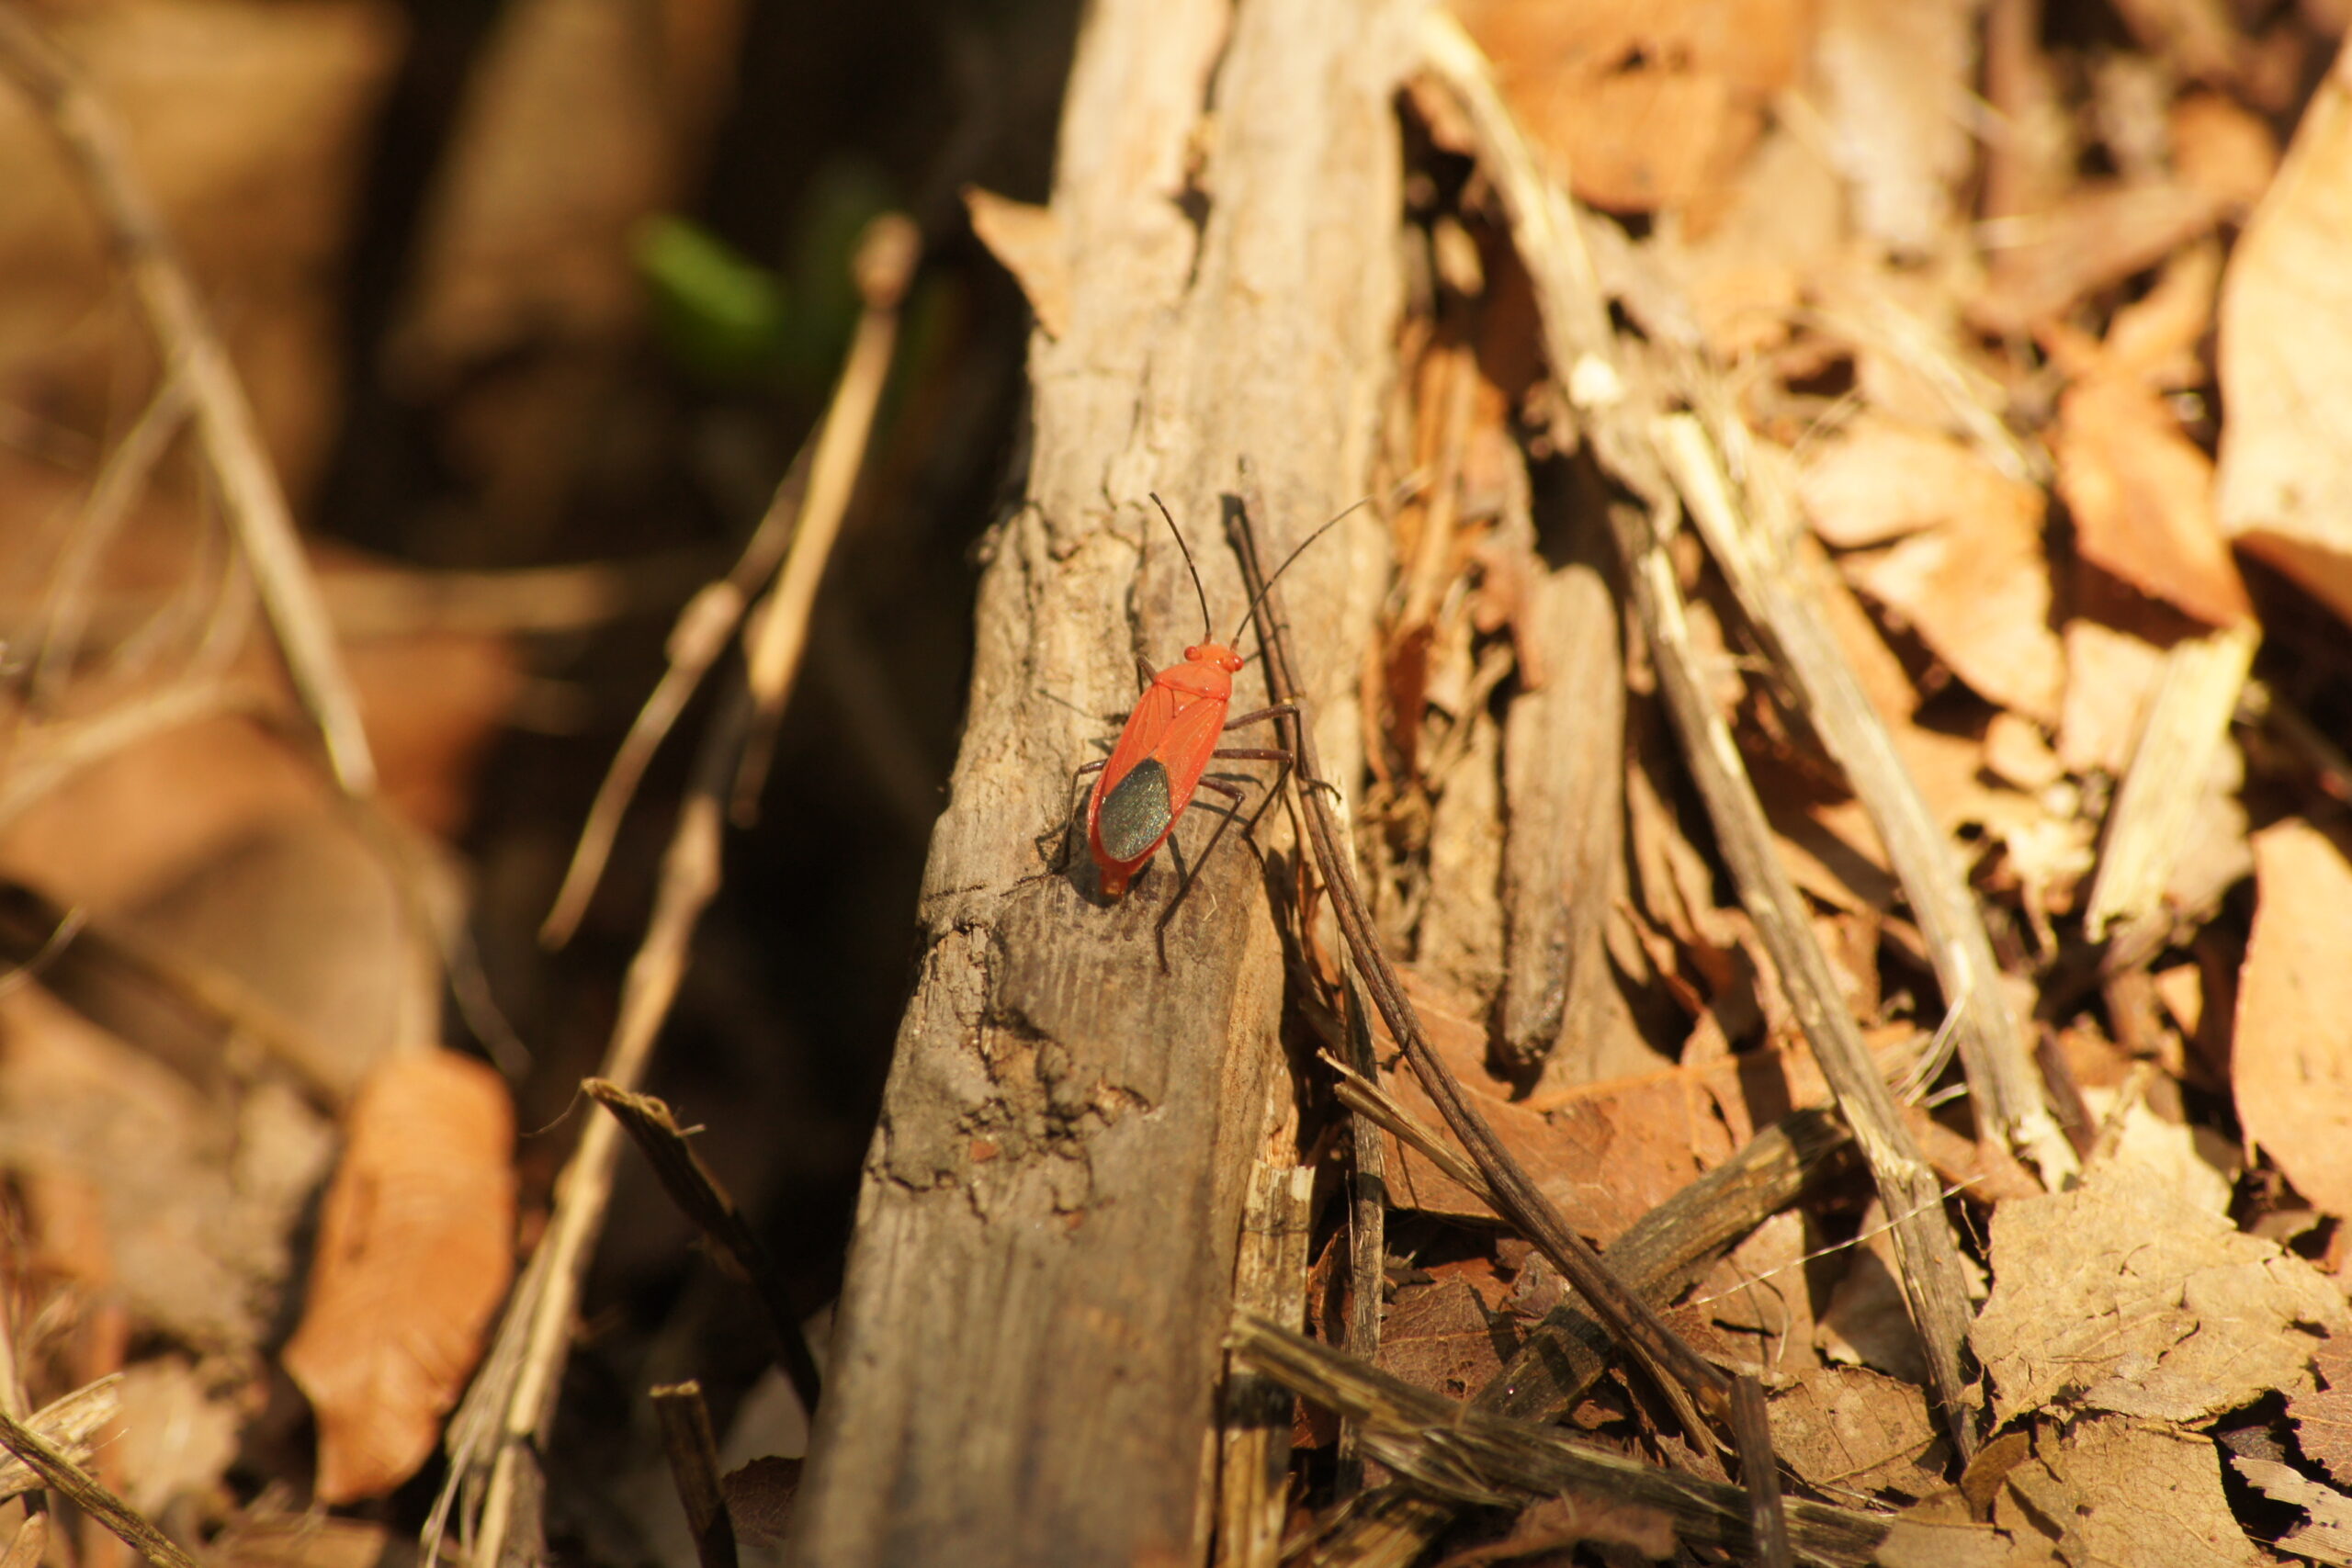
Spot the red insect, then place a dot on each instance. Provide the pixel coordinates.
(1164, 751)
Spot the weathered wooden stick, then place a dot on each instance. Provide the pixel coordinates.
(2004, 1089)
(1028, 1342)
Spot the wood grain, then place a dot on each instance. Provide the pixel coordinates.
(1028, 1336)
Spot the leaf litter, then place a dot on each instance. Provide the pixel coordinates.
(2048, 348)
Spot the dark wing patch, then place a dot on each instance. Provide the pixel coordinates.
(1135, 815)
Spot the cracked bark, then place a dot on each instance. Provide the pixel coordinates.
(1027, 1339)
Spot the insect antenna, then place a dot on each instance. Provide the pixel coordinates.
(1235, 641)
(1207, 630)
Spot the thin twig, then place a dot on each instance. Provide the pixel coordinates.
(538, 1323)
(1565, 1354)
(704, 1202)
(685, 1420)
(2006, 1091)
(1367, 1215)
(704, 629)
(1474, 1456)
(1686, 1377)
(87, 1493)
(67, 610)
(68, 1424)
(1365, 1098)
(1619, 418)
(251, 495)
(883, 268)
(1924, 1247)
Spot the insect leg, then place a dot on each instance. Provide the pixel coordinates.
(1260, 716)
(1070, 817)
(1279, 710)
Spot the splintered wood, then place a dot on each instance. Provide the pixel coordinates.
(1795, 1009)
(1956, 661)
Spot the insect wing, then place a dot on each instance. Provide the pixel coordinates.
(1129, 816)
(1185, 746)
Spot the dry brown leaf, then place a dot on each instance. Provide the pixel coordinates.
(2143, 1494)
(1845, 1429)
(1760, 1288)
(1556, 1524)
(311, 925)
(2095, 239)
(259, 1539)
(176, 1436)
(2121, 1296)
(414, 1255)
(2223, 149)
(2161, 1144)
(1443, 1335)
(2141, 492)
(1978, 595)
(149, 815)
(1606, 1158)
(185, 1204)
(1746, 277)
(1027, 241)
(1880, 479)
(1867, 1321)
(759, 1500)
(433, 703)
(2327, 1536)
(2181, 989)
(2290, 1069)
(1648, 104)
(2323, 1418)
(2159, 339)
(248, 125)
(2284, 483)
(2111, 672)
(1895, 83)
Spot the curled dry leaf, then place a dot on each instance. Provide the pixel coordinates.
(2284, 483)
(414, 1252)
(2289, 1065)
(1027, 241)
